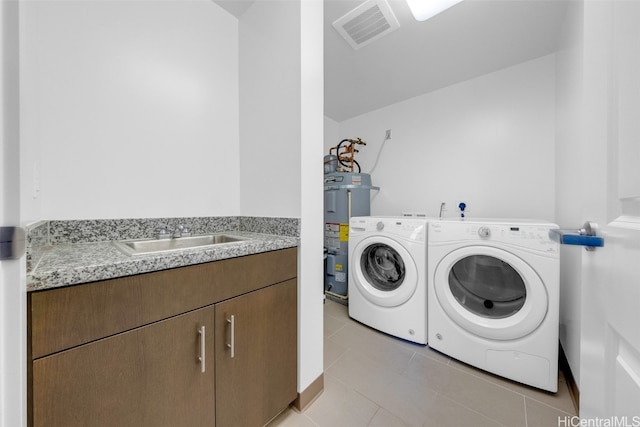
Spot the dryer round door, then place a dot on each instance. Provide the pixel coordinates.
(384, 271)
(490, 292)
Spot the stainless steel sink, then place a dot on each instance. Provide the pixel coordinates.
(151, 246)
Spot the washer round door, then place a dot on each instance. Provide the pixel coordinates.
(383, 271)
(490, 292)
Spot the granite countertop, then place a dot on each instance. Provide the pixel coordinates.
(74, 263)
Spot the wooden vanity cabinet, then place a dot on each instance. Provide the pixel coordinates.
(256, 338)
(150, 376)
(127, 351)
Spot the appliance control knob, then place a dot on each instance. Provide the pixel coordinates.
(484, 232)
(380, 226)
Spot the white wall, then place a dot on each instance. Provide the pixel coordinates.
(310, 273)
(331, 134)
(281, 110)
(569, 206)
(488, 142)
(270, 109)
(130, 109)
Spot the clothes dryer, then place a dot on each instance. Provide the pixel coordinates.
(494, 295)
(387, 268)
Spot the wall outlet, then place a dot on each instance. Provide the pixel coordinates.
(387, 134)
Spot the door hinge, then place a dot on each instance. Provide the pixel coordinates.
(12, 242)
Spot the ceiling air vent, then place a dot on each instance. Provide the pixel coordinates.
(368, 22)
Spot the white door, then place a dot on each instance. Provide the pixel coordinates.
(12, 283)
(610, 337)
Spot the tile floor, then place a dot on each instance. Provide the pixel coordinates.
(372, 379)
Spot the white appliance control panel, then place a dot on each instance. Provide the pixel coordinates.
(528, 233)
(409, 228)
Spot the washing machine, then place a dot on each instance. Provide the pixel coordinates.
(387, 269)
(493, 297)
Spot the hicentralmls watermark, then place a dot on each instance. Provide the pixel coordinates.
(623, 421)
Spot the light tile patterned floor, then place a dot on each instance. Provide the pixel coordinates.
(372, 379)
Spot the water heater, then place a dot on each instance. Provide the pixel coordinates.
(346, 194)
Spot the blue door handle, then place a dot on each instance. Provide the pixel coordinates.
(586, 236)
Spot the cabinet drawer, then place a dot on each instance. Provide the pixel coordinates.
(70, 316)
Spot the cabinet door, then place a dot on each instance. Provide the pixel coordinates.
(149, 376)
(259, 379)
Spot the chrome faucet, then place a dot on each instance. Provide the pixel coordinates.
(163, 233)
(181, 231)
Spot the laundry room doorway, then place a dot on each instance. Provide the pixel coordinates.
(610, 342)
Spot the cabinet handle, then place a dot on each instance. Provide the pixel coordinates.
(232, 326)
(202, 349)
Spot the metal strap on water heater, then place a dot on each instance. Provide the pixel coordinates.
(12, 243)
(350, 186)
